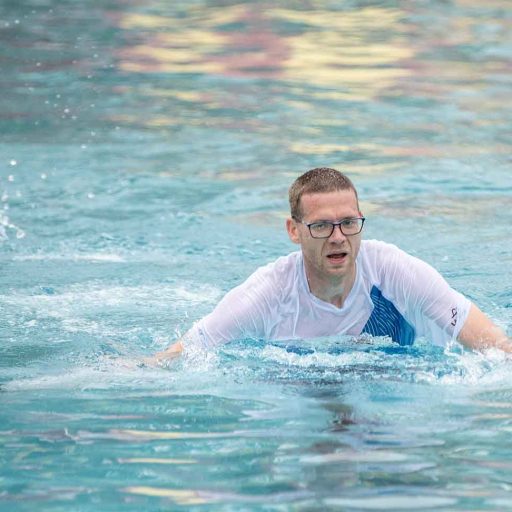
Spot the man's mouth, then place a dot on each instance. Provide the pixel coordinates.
(337, 257)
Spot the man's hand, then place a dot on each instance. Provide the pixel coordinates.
(480, 333)
(165, 356)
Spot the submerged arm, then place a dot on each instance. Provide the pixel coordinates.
(161, 358)
(480, 333)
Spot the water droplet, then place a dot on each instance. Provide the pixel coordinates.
(13, 162)
(43, 176)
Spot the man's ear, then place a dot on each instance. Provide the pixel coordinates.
(293, 231)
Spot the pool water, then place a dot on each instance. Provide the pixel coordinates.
(145, 155)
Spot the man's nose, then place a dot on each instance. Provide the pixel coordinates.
(337, 234)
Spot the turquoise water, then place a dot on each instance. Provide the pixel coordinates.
(145, 154)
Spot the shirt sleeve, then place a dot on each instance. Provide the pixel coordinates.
(242, 313)
(423, 296)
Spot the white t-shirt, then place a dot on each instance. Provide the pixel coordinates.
(394, 294)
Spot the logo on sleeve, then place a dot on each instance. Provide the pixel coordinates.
(454, 317)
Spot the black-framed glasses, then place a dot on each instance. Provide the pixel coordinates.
(325, 228)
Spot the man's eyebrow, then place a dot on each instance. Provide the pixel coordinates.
(333, 221)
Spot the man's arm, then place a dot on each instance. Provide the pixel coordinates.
(480, 333)
(165, 356)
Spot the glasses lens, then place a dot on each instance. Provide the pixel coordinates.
(321, 229)
(351, 226)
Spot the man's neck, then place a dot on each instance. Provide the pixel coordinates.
(333, 291)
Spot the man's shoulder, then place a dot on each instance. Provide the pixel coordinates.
(378, 249)
(274, 278)
(281, 267)
(377, 257)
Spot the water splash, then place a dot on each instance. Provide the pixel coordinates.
(6, 227)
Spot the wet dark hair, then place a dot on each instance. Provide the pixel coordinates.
(320, 179)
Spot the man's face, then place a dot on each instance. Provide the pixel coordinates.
(333, 257)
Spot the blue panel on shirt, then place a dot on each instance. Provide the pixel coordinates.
(385, 320)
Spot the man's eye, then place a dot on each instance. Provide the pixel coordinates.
(320, 226)
(349, 223)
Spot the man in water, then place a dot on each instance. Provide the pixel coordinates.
(338, 284)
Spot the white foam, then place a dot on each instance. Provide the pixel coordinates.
(490, 369)
(481, 369)
(189, 373)
(391, 502)
(6, 226)
(356, 456)
(107, 374)
(322, 359)
(77, 298)
(93, 256)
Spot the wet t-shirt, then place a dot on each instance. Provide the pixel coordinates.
(394, 295)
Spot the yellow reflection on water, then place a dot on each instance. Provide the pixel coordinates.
(335, 49)
(127, 434)
(340, 50)
(151, 460)
(361, 19)
(361, 168)
(145, 58)
(180, 497)
(132, 20)
(443, 205)
(191, 96)
(441, 150)
(367, 55)
(503, 4)
(208, 16)
(323, 149)
(161, 121)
